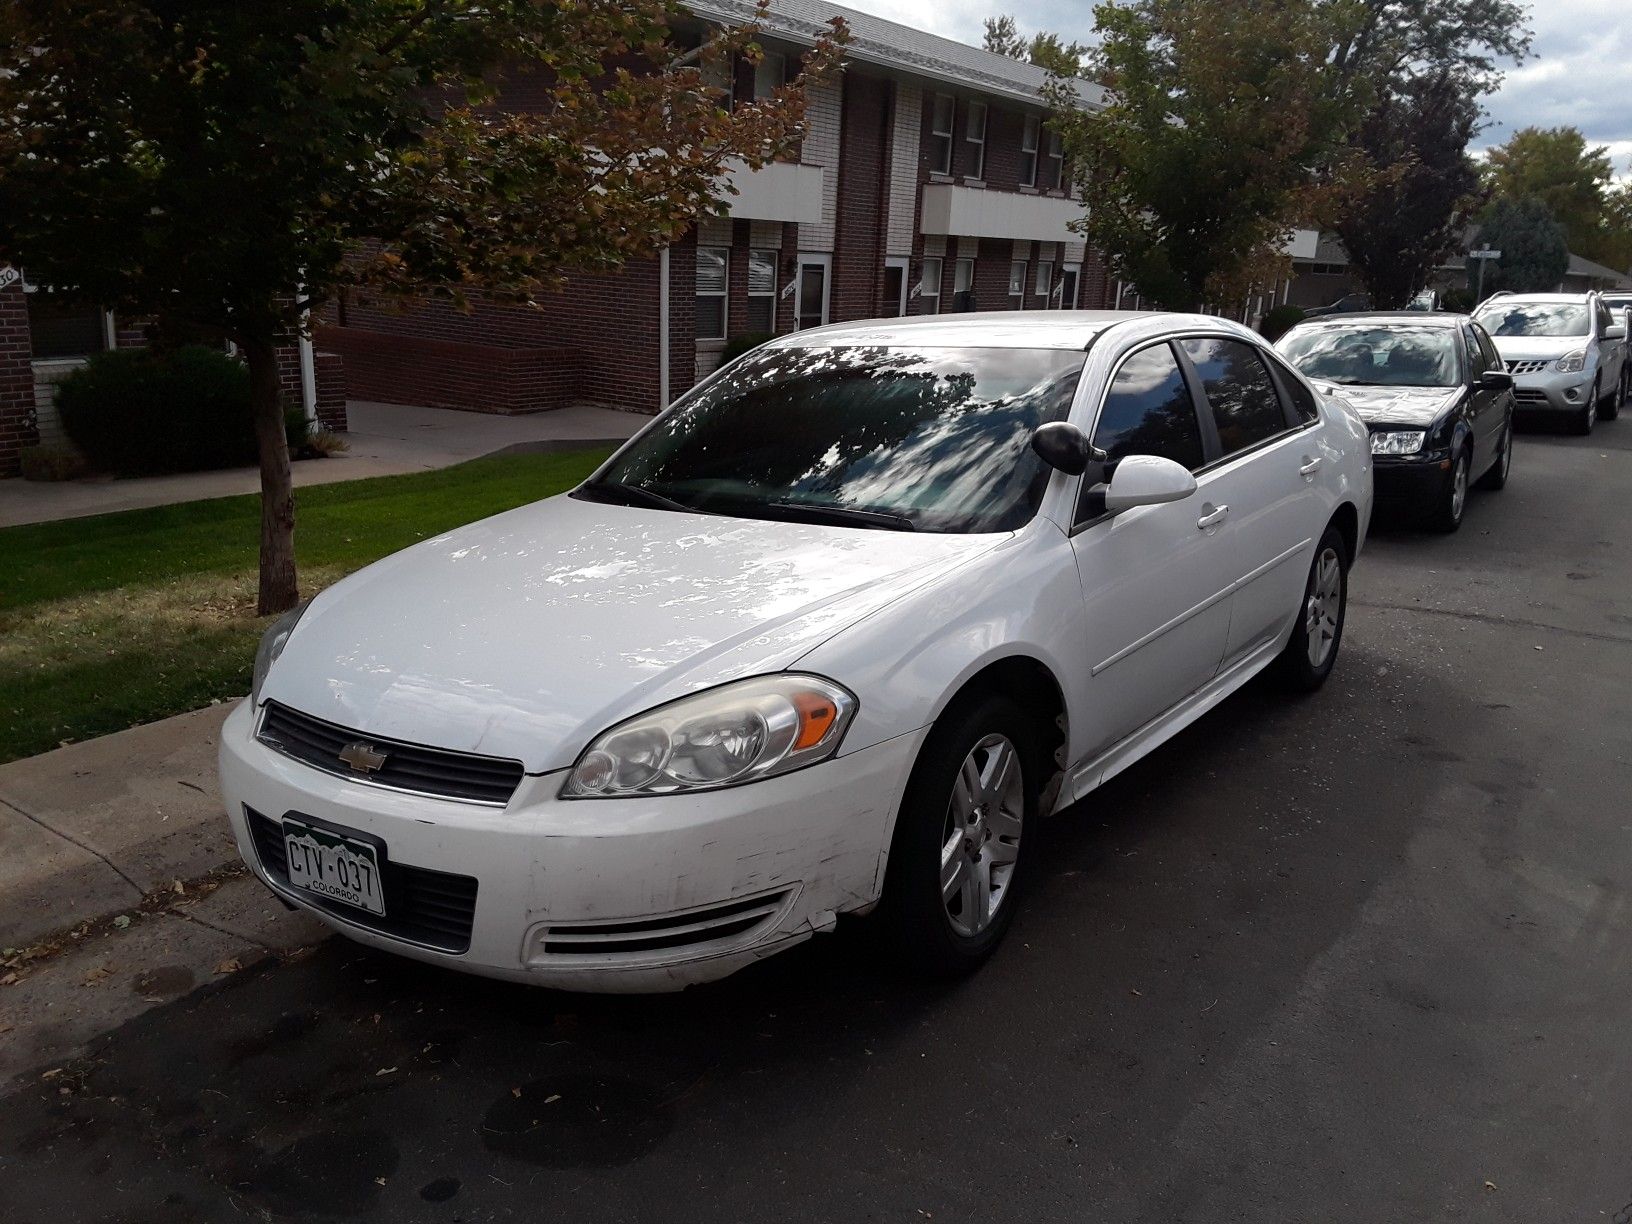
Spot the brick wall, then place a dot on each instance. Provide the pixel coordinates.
(863, 201)
(823, 128)
(17, 417)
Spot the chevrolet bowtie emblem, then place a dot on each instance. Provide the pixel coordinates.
(362, 757)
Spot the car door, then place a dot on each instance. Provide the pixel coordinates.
(1156, 579)
(1487, 413)
(1264, 480)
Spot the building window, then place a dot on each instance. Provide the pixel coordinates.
(762, 291)
(963, 286)
(929, 286)
(1045, 277)
(1017, 282)
(975, 132)
(894, 297)
(1028, 152)
(1056, 161)
(1069, 276)
(712, 264)
(940, 143)
(769, 74)
(60, 329)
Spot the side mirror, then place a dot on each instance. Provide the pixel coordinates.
(1616, 332)
(1495, 380)
(1147, 480)
(1063, 446)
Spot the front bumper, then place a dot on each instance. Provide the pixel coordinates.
(1549, 391)
(644, 894)
(1411, 484)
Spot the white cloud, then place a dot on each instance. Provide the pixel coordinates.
(1577, 73)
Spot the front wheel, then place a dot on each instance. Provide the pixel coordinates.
(1587, 415)
(1311, 652)
(957, 854)
(1453, 499)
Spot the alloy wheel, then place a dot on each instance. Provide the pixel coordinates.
(981, 837)
(1507, 449)
(1324, 605)
(1459, 487)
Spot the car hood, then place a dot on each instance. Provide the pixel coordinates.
(524, 635)
(1419, 407)
(1538, 348)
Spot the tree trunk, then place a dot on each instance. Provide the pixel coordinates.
(279, 590)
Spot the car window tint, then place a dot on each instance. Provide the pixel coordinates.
(1245, 406)
(1148, 411)
(1475, 355)
(1493, 359)
(1297, 391)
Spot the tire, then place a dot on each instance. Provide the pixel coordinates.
(1587, 415)
(1611, 408)
(938, 931)
(1496, 477)
(1299, 667)
(1446, 517)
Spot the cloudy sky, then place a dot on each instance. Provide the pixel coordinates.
(1579, 73)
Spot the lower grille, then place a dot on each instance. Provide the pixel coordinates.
(401, 766)
(433, 908)
(1530, 395)
(715, 928)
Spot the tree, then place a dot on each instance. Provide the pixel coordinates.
(1390, 42)
(1616, 243)
(229, 168)
(1043, 49)
(1534, 253)
(1209, 150)
(1555, 166)
(1419, 190)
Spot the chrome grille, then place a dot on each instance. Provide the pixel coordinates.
(714, 928)
(1526, 367)
(408, 767)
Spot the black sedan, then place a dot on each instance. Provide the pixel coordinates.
(1434, 394)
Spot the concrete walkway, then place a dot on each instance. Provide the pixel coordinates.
(386, 440)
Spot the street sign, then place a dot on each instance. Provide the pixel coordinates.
(9, 274)
(1486, 253)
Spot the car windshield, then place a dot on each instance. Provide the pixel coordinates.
(927, 439)
(1393, 355)
(1534, 318)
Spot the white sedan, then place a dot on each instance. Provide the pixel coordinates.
(828, 636)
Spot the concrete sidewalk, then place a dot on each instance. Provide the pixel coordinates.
(385, 440)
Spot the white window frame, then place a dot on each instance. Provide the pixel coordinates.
(759, 294)
(1055, 152)
(930, 288)
(977, 137)
(825, 262)
(1045, 278)
(724, 293)
(902, 262)
(941, 140)
(963, 271)
(1017, 280)
(1028, 151)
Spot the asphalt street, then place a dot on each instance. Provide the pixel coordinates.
(1365, 956)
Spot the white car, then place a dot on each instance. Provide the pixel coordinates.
(829, 635)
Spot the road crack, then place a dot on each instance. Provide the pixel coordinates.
(1490, 618)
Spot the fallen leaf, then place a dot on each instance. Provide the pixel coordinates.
(384, 1071)
(551, 1099)
(122, 921)
(379, 1181)
(178, 887)
(1490, 1185)
(1138, 994)
(95, 976)
(11, 979)
(51, 1074)
(516, 1092)
(231, 965)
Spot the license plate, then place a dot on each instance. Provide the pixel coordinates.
(333, 865)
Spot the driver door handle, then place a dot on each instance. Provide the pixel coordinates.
(1310, 467)
(1212, 518)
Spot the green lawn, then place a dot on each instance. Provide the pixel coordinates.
(125, 618)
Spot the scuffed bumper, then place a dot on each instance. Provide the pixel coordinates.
(647, 894)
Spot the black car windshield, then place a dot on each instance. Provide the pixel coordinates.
(927, 439)
(1534, 318)
(1374, 355)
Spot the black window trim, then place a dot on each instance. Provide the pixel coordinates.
(1222, 460)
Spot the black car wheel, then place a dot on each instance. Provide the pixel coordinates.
(1453, 499)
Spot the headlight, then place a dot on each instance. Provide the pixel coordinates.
(733, 734)
(1573, 363)
(272, 644)
(1397, 442)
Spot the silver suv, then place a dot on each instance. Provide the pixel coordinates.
(1566, 352)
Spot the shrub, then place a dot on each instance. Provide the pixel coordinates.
(136, 412)
(743, 344)
(1457, 301)
(1279, 321)
(53, 463)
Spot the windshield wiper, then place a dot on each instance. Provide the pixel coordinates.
(845, 516)
(634, 495)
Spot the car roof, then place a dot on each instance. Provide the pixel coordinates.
(1577, 298)
(1444, 318)
(1034, 329)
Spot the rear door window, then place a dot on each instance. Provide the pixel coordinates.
(1238, 388)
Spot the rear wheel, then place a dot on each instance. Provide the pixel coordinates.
(1311, 652)
(1453, 499)
(1496, 477)
(957, 855)
(1611, 407)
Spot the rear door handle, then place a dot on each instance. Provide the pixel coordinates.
(1310, 467)
(1212, 518)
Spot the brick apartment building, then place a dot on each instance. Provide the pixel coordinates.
(925, 182)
